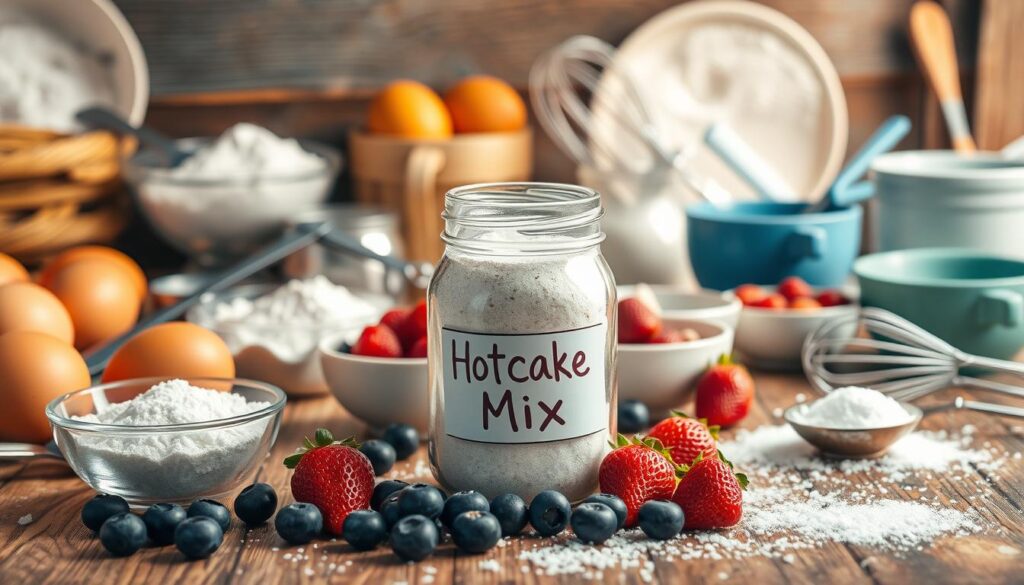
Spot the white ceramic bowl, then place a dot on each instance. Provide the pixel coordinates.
(705, 305)
(773, 338)
(663, 375)
(380, 391)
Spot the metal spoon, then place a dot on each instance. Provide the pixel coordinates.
(97, 117)
(869, 443)
(23, 451)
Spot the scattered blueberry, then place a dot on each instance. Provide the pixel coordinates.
(383, 490)
(389, 510)
(660, 519)
(364, 529)
(511, 512)
(615, 503)
(404, 438)
(256, 504)
(633, 416)
(423, 499)
(460, 502)
(414, 538)
(381, 455)
(549, 513)
(345, 347)
(123, 534)
(198, 537)
(161, 520)
(476, 531)
(101, 507)
(299, 523)
(594, 523)
(211, 509)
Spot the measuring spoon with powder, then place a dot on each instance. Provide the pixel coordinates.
(855, 423)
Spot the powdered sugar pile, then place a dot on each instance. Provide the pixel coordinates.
(853, 408)
(249, 152)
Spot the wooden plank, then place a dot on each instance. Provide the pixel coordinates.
(998, 116)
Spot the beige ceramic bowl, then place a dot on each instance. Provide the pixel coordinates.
(380, 391)
(663, 375)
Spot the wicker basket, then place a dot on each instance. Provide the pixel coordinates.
(58, 191)
(410, 177)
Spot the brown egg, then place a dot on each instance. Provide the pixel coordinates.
(62, 260)
(25, 306)
(101, 298)
(36, 369)
(172, 350)
(11, 270)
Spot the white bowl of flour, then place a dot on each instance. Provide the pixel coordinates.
(153, 440)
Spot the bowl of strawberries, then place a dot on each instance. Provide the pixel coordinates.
(776, 319)
(380, 375)
(661, 358)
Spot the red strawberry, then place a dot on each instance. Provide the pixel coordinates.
(378, 341)
(724, 393)
(748, 294)
(415, 325)
(418, 349)
(804, 303)
(333, 476)
(676, 336)
(710, 494)
(772, 301)
(794, 287)
(832, 298)
(686, 437)
(637, 471)
(637, 322)
(394, 318)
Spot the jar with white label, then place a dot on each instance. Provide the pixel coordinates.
(522, 341)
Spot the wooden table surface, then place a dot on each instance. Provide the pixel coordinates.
(56, 548)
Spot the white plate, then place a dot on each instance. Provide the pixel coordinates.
(802, 133)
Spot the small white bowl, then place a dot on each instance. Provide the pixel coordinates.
(702, 305)
(663, 375)
(773, 338)
(380, 391)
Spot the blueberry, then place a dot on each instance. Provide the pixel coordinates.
(161, 520)
(383, 490)
(660, 519)
(404, 438)
(594, 523)
(198, 537)
(123, 534)
(615, 503)
(549, 513)
(381, 455)
(423, 499)
(511, 512)
(633, 416)
(103, 506)
(460, 502)
(476, 531)
(345, 347)
(211, 509)
(389, 510)
(299, 523)
(364, 529)
(256, 504)
(414, 538)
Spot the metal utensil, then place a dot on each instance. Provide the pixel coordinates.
(98, 117)
(23, 451)
(747, 163)
(844, 191)
(559, 82)
(303, 236)
(415, 273)
(897, 358)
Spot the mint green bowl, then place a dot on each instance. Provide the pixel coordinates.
(973, 300)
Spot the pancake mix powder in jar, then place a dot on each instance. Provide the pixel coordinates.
(522, 341)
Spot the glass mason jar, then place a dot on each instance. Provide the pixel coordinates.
(522, 334)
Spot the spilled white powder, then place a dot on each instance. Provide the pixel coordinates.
(249, 152)
(46, 78)
(170, 465)
(853, 407)
(25, 520)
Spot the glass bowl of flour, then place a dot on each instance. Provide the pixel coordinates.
(233, 193)
(153, 440)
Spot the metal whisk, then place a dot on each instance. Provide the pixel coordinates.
(897, 358)
(574, 84)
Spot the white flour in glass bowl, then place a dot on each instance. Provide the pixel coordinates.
(274, 334)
